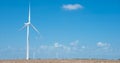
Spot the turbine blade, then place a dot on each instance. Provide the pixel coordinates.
(29, 13)
(35, 28)
(22, 28)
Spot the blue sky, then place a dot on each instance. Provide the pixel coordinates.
(68, 29)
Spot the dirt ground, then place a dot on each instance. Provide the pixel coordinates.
(59, 61)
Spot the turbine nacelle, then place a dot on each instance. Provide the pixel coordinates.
(28, 23)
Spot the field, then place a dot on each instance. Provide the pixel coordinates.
(59, 61)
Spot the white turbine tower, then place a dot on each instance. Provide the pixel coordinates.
(27, 25)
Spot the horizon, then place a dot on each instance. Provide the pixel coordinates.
(68, 29)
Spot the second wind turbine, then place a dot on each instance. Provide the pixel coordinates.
(27, 25)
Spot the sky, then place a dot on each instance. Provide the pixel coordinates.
(68, 29)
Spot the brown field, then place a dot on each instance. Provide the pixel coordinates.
(59, 61)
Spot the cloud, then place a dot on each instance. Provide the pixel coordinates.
(103, 45)
(44, 46)
(56, 45)
(75, 43)
(72, 6)
(63, 47)
(83, 47)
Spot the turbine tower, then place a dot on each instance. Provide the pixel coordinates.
(27, 25)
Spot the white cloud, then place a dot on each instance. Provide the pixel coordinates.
(57, 45)
(75, 43)
(103, 45)
(43, 46)
(72, 7)
(64, 47)
(83, 47)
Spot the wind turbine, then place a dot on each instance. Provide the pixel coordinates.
(27, 25)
